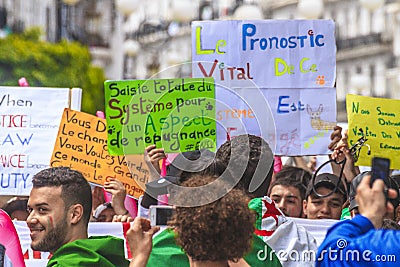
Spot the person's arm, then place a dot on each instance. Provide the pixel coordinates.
(350, 235)
(97, 198)
(336, 136)
(122, 218)
(152, 157)
(301, 163)
(140, 240)
(341, 152)
(117, 189)
(336, 140)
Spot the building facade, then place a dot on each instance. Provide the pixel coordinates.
(368, 42)
(367, 47)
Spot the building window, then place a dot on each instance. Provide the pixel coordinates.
(372, 75)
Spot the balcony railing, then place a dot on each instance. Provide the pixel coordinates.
(349, 43)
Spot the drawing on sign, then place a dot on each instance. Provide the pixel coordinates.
(291, 142)
(321, 80)
(316, 122)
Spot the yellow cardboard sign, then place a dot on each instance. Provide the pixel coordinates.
(82, 145)
(379, 118)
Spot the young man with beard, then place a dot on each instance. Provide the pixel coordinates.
(59, 207)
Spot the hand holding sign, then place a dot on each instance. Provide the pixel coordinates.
(118, 192)
(153, 156)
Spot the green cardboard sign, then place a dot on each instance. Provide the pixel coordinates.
(176, 114)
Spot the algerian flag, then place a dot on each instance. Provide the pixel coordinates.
(293, 244)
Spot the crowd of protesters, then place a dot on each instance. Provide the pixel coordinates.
(232, 205)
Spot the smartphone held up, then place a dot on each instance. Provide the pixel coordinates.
(380, 169)
(160, 214)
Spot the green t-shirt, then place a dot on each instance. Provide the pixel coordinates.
(99, 251)
(345, 214)
(167, 253)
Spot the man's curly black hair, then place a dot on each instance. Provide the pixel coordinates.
(250, 160)
(219, 231)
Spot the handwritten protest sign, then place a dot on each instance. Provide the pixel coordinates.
(266, 53)
(283, 64)
(29, 120)
(379, 119)
(82, 145)
(176, 114)
(297, 122)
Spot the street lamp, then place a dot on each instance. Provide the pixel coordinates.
(372, 5)
(71, 2)
(127, 7)
(310, 9)
(360, 84)
(131, 47)
(248, 11)
(183, 10)
(207, 10)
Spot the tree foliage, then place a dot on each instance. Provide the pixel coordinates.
(44, 64)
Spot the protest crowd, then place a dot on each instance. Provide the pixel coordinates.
(243, 203)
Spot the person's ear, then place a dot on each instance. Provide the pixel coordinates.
(305, 207)
(76, 213)
(397, 214)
